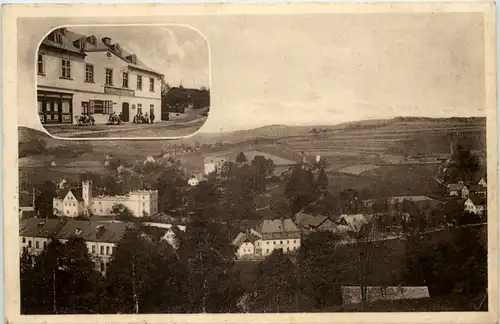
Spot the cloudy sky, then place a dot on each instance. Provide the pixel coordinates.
(180, 53)
(322, 68)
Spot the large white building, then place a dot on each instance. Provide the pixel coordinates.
(101, 237)
(77, 202)
(79, 74)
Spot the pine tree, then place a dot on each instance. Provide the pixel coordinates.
(241, 158)
(322, 181)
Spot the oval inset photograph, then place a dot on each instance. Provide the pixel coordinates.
(123, 81)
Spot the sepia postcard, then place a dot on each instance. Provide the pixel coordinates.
(250, 163)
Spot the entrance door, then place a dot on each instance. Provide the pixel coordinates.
(125, 112)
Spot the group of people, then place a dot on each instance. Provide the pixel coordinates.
(146, 118)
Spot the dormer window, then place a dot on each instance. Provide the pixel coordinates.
(80, 44)
(92, 40)
(56, 37)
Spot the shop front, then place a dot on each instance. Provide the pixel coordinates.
(55, 107)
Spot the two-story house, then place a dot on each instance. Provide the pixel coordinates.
(277, 234)
(79, 74)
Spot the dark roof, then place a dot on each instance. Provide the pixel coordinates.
(68, 44)
(39, 227)
(109, 232)
(77, 192)
(456, 186)
(476, 188)
(478, 200)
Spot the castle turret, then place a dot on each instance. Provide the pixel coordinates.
(87, 194)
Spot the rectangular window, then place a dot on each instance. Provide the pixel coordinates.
(151, 109)
(29, 243)
(139, 108)
(89, 73)
(139, 82)
(44, 245)
(40, 65)
(37, 244)
(65, 69)
(102, 249)
(125, 79)
(24, 240)
(109, 77)
(151, 85)
(107, 250)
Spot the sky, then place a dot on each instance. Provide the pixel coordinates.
(180, 53)
(321, 69)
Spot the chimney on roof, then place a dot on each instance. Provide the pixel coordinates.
(106, 41)
(100, 230)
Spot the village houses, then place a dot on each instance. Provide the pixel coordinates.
(85, 74)
(81, 202)
(458, 190)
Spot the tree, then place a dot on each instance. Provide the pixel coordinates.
(452, 210)
(299, 189)
(263, 167)
(44, 199)
(322, 181)
(207, 255)
(83, 286)
(122, 212)
(464, 165)
(350, 202)
(241, 158)
(129, 272)
(319, 270)
(274, 285)
(28, 284)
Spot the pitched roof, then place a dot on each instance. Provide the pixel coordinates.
(93, 231)
(476, 187)
(244, 237)
(277, 226)
(70, 37)
(478, 200)
(77, 192)
(353, 221)
(455, 186)
(39, 227)
(306, 220)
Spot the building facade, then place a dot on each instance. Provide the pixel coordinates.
(276, 234)
(79, 75)
(77, 203)
(101, 238)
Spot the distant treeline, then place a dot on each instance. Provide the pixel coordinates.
(450, 119)
(176, 98)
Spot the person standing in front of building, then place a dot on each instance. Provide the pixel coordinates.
(152, 117)
(146, 118)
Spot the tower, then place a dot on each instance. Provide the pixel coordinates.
(87, 193)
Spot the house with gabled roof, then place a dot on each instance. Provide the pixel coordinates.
(69, 203)
(245, 244)
(475, 205)
(458, 190)
(309, 223)
(91, 75)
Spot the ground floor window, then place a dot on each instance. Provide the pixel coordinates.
(139, 108)
(151, 109)
(55, 108)
(100, 106)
